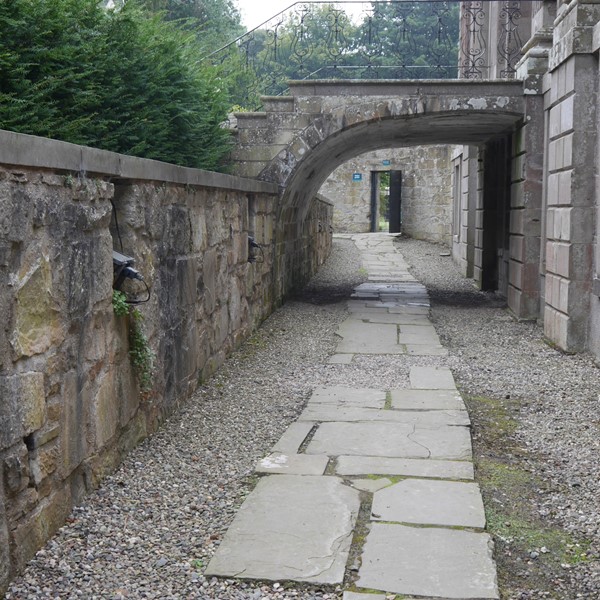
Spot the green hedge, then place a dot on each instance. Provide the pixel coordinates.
(125, 81)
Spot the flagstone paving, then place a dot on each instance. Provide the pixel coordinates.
(404, 455)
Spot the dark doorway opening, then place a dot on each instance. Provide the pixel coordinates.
(496, 214)
(395, 201)
(386, 201)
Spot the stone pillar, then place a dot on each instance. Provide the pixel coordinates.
(261, 136)
(527, 179)
(464, 162)
(525, 215)
(572, 138)
(594, 338)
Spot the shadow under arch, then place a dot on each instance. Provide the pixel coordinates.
(332, 122)
(304, 175)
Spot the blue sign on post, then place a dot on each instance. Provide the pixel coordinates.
(356, 176)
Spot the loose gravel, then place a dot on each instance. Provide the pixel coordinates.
(152, 527)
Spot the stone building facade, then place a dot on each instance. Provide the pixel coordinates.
(426, 193)
(543, 253)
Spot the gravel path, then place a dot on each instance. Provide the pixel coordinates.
(153, 526)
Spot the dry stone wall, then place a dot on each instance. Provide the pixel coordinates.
(70, 401)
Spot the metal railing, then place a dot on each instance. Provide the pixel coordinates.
(394, 39)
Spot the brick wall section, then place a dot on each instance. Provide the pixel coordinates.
(70, 404)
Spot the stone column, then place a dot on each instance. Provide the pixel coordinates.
(572, 139)
(594, 338)
(524, 287)
(476, 212)
(464, 161)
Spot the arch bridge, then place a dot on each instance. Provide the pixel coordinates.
(300, 139)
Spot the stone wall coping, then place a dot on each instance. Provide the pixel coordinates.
(349, 87)
(19, 149)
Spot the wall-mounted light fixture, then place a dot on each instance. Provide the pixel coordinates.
(123, 269)
(254, 248)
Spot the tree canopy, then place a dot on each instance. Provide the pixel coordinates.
(215, 22)
(122, 80)
(392, 40)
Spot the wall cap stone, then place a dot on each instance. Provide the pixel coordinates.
(25, 150)
(386, 87)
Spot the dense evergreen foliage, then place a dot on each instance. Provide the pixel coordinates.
(216, 22)
(122, 80)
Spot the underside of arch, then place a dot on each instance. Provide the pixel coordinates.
(305, 175)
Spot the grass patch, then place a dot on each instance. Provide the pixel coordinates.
(499, 418)
(531, 551)
(551, 544)
(388, 401)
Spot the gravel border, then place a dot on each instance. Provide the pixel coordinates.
(153, 525)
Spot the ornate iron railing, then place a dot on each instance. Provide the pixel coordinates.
(394, 39)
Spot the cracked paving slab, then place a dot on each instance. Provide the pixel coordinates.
(401, 440)
(291, 527)
(328, 412)
(292, 464)
(407, 467)
(417, 501)
(342, 396)
(293, 437)
(431, 378)
(407, 399)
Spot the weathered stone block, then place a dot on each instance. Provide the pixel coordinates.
(5, 562)
(16, 470)
(563, 259)
(515, 274)
(37, 527)
(76, 396)
(556, 327)
(16, 211)
(105, 411)
(33, 401)
(44, 462)
(38, 324)
(209, 278)
(10, 411)
(41, 437)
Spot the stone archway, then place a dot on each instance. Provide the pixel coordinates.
(299, 140)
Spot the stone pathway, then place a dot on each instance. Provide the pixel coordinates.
(394, 463)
